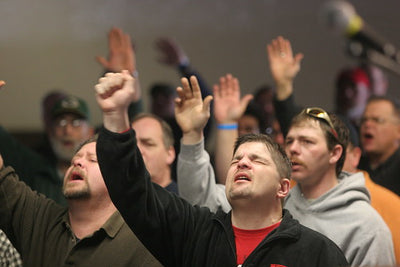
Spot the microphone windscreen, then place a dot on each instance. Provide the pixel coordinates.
(338, 15)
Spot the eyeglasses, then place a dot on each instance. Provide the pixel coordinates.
(376, 120)
(319, 113)
(75, 123)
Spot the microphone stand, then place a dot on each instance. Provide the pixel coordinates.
(361, 51)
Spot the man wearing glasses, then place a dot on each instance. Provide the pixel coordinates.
(380, 139)
(328, 200)
(66, 119)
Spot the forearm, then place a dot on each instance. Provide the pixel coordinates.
(283, 90)
(150, 211)
(116, 121)
(225, 141)
(196, 179)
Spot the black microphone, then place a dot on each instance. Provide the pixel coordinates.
(341, 17)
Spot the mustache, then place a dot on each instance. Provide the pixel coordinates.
(68, 139)
(296, 161)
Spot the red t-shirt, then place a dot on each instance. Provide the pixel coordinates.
(247, 240)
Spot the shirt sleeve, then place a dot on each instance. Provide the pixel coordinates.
(196, 179)
(165, 223)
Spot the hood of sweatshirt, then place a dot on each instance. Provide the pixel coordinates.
(350, 188)
(344, 215)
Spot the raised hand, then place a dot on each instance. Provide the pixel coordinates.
(228, 107)
(283, 65)
(115, 91)
(191, 112)
(121, 55)
(171, 53)
(2, 83)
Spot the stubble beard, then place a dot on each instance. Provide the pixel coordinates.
(242, 193)
(72, 190)
(73, 193)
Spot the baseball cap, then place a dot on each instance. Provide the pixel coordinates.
(47, 104)
(70, 104)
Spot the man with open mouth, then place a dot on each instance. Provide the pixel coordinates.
(380, 140)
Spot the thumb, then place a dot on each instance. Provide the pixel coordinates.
(245, 101)
(207, 103)
(102, 61)
(298, 58)
(129, 80)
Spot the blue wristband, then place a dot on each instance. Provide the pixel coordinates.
(232, 126)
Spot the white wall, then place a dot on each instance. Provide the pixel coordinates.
(52, 44)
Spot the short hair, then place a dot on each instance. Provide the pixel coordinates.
(354, 139)
(278, 155)
(341, 129)
(87, 141)
(168, 135)
(393, 102)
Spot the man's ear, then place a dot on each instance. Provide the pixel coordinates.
(284, 188)
(171, 155)
(336, 153)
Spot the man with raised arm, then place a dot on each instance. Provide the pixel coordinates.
(257, 232)
(8, 254)
(196, 178)
(88, 232)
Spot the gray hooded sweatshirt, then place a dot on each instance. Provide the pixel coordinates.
(344, 215)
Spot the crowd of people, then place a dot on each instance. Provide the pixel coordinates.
(283, 185)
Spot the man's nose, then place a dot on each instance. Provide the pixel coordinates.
(244, 163)
(68, 128)
(77, 162)
(292, 148)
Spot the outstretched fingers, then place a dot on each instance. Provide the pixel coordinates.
(181, 96)
(187, 90)
(195, 87)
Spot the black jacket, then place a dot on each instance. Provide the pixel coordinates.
(179, 234)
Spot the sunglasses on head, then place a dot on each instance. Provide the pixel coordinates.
(321, 114)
